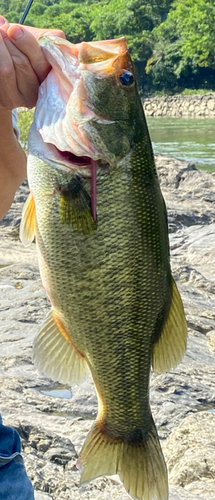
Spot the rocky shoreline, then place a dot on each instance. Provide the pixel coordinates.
(187, 106)
(53, 420)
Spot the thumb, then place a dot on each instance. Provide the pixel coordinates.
(38, 32)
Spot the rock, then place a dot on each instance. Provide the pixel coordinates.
(190, 452)
(211, 340)
(211, 104)
(60, 455)
(180, 105)
(200, 492)
(39, 495)
(53, 419)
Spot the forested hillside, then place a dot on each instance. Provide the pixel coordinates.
(171, 42)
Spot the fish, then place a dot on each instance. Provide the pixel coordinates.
(100, 222)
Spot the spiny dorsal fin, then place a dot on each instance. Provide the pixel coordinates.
(171, 346)
(55, 354)
(28, 223)
(141, 466)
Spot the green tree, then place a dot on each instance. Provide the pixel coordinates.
(184, 44)
(71, 17)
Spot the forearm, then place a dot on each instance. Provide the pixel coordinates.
(12, 162)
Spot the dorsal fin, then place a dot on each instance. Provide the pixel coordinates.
(171, 346)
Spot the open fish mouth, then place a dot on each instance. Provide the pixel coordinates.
(70, 157)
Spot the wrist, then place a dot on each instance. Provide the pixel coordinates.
(11, 151)
(6, 125)
(12, 161)
(12, 174)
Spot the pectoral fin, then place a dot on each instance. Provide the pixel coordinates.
(28, 223)
(55, 354)
(75, 207)
(171, 346)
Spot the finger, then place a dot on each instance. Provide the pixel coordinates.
(8, 91)
(26, 43)
(3, 22)
(38, 32)
(26, 79)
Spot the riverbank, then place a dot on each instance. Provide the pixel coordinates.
(183, 400)
(181, 105)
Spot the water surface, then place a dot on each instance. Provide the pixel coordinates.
(189, 139)
(56, 391)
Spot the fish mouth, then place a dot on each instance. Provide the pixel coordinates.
(71, 158)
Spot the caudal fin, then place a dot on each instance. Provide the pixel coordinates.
(141, 466)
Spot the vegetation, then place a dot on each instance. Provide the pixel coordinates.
(24, 121)
(184, 46)
(171, 42)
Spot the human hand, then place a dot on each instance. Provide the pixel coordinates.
(23, 65)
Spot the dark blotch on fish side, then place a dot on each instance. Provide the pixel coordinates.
(74, 187)
(137, 436)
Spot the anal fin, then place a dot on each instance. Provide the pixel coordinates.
(55, 354)
(171, 346)
(28, 223)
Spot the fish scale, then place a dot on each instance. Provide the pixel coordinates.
(115, 307)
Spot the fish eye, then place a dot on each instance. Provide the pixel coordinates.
(126, 78)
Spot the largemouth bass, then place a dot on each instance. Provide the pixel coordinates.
(101, 231)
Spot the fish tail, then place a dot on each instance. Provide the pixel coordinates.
(140, 465)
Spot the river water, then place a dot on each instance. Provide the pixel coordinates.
(190, 139)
